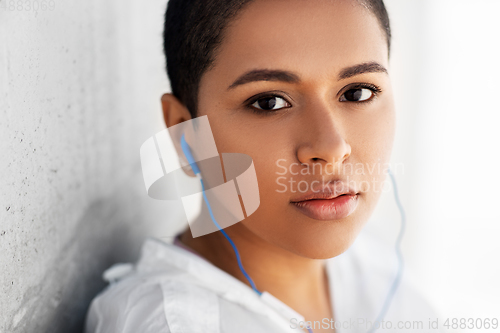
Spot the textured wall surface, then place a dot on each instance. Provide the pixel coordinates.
(80, 83)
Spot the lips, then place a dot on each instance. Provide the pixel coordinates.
(331, 202)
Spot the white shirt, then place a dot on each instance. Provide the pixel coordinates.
(172, 290)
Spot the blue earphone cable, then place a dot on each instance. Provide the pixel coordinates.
(399, 255)
(236, 252)
(196, 170)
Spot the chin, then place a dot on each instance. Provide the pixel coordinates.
(320, 239)
(325, 249)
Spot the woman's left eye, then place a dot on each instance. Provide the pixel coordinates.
(270, 103)
(357, 95)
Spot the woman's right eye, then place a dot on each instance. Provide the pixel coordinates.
(270, 103)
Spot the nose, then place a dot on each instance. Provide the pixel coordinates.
(322, 140)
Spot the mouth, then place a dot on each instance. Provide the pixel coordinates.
(328, 209)
(327, 204)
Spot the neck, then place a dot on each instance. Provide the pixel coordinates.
(299, 282)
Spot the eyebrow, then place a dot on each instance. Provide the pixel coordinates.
(265, 75)
(367, 67)
(289, 77)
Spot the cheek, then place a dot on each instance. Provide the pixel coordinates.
(372, 133)
(265, 149)
(372, 147)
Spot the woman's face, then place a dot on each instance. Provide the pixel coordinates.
(314, 102)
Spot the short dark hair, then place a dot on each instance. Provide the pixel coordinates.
(194, 30)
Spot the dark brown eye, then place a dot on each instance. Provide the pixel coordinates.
(270, 103)
(357, 95)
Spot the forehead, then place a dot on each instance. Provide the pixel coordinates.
(312, 38)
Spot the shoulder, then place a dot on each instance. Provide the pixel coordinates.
(157, 294)
(365, 283)
(128, 306)
(412, 302)
(164, 303)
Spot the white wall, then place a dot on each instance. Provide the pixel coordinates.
(79, 93)
(445, 73)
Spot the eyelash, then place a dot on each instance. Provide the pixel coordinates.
(375, 90)
(269, 94)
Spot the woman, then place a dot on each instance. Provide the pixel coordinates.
(298, 86)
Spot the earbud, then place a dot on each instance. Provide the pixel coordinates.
(189, 155)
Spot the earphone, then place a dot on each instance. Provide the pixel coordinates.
(196, 170)
(268, 298)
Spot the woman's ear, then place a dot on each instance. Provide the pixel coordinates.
(174, 112)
